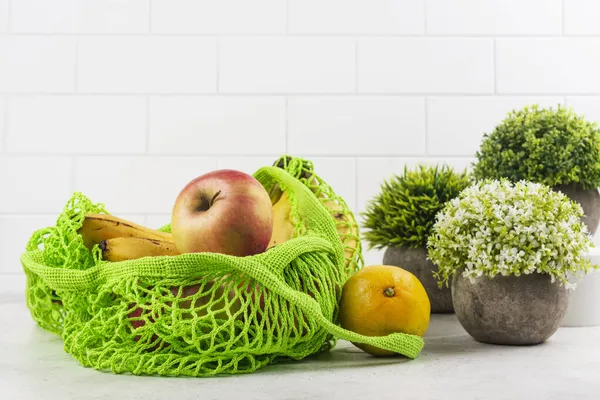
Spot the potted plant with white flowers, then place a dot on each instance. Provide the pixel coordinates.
(508, 251)
(400, 217)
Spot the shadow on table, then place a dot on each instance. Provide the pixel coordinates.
(444, 337)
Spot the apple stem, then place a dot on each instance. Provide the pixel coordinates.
(215, 198)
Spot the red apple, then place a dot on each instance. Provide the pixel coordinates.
(224, 211)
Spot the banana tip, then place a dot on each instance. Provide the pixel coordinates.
(102, 245)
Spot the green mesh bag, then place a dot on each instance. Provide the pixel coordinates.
(346, 225)
(196, 314)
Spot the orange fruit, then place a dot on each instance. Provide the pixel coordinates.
(382, 299)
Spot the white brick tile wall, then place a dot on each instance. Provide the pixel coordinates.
(357, 16)
(217, 125)
(581, 17)
(286, 65)
(157, 221)
(110, 16)
(34, 184)
(585, 106)
(147, 65)
(373, 171)
(372, 256)
(219, 17)
(80, 16)
(455, 125)
(494, 17)
(12, 286)
(248, 165)
(3, 112)
(41, 16)
(356, 125)
(15, 232)
(139, 185)
(128, 100)
(548, 65)
(4, 15)
(37, 64)
(123, 16)
(432, 65)
(340, 174)
(77, 124)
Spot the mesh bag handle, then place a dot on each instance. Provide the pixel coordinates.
(402, 343)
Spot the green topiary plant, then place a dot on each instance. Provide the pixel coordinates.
(496, 227)
(403, 213)
(549, 146)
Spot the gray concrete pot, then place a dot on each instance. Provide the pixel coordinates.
(509, 310)
(589, 200)
(415, 261)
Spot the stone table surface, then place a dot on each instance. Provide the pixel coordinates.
(33, 365)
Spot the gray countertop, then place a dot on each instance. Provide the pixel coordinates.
(33, 365)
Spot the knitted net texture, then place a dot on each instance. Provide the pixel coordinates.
(195, 314)
(346, 225)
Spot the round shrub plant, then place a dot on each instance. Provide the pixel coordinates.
(544, 145)
(404, 211)
(496, 227)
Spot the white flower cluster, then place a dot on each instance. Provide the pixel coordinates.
(497, 227)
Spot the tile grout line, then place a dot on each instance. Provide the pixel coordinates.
(356, 206)
(419, 36)
(147, 147)
(218, 63)
(287, 125)
(224, 155)
(150, 16)
(494, 69)
(73, 172)
(356, 65)
(76, 71)
(4, 127)
(426, 126)
(298, 94)
(287, 17)
(9, 11)
(563, 19)
(425, 26)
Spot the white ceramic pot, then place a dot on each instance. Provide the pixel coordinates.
(584, 301)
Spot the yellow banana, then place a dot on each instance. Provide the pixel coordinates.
(99, 227)
(132, 248)
(275, 193)
(283, 229)
(346, 224)
(347, 228)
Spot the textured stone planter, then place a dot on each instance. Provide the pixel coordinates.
(509, 310)
(415, 261)
(589, 200)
